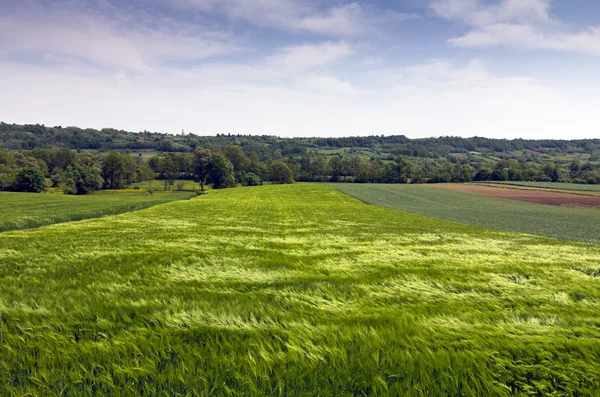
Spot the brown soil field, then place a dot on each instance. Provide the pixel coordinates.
(540, 189)
(533, 196)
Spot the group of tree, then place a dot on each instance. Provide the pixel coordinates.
(28, 137)
(81, 172)
(74, 173)
(228, 167)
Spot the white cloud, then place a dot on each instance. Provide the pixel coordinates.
(435, 98)
(307, 56)
(345, 19)
(80, 34)
(524, 24)
(328, 85)
(474, 12)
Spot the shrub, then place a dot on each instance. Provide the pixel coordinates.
(251, 179)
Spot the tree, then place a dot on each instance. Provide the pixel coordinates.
(144, 173)
(81, 179)
(201, 165)
(63, 158)
(56, 177)
(404, 170)
(465, 173)
(30, 180)
(279, 172)
(335, 168)
(551, 170)
(317, 168)
(130, 167)
(238, 159)
(500, 175)
(168, 170)
(484, 174)
(113, 170)
(221, 171)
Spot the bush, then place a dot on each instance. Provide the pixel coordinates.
(251, 179)
(30, 180)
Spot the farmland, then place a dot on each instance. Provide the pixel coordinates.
(26, 210)
(532, 195)
(289, 290)
(555, 185)
(570, 223)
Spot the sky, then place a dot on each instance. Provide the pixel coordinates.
(420, 68)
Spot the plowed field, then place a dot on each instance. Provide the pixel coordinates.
(532, 196)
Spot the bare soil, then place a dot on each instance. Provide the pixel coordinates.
(532, 195)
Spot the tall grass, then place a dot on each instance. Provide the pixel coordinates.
(294, 290)
(27, 210)
(568, 223)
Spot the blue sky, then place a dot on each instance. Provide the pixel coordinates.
(496, 68)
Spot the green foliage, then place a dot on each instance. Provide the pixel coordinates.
(167, 168)
(580, 224)
(280, 173)
(81, 179)
(201, 165)
(220, 171)
(251, 179)
(313, 293)
(113, 170)
(11, 164)
(29, 180)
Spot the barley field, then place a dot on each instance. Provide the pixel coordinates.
(294, 290)
(27, 210)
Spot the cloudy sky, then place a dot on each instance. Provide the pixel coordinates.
(495, 68)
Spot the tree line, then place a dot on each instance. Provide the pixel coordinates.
(229, 166)
(33, 136)
(88, 171)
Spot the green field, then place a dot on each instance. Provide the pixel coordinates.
(294, 290)
(27, 210)
(568, 223)
(556, 185)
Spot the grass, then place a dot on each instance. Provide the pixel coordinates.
(294, 290)
(556, 185)
(569, 223)
(159, 185)
(27, 210)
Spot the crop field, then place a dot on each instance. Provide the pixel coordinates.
(555, 185)
(532, 195)
(294, 290)
(569, 223)
(27, 210)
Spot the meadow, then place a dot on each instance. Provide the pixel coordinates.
(555, 185)
(294, 290)
(568, 223)
(27, 210)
